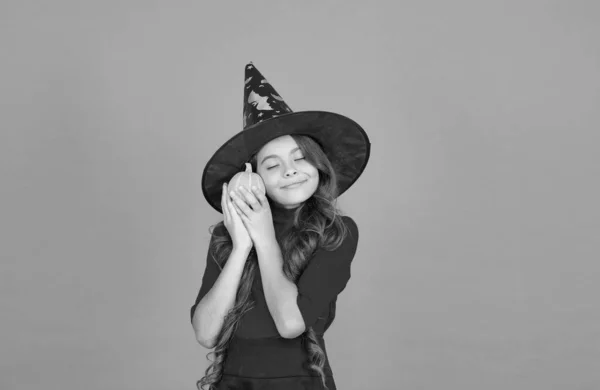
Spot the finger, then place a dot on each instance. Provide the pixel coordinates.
(224, 202)
(233, 214)
(250, 198)
(241, 204)
(240, 214)
(260, 196)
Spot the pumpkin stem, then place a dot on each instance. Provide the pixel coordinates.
(248, 167)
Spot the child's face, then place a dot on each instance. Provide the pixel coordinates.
(281, 163)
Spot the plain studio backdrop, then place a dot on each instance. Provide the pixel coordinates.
(477, 265)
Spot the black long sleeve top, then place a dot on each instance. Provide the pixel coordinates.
(324, 278)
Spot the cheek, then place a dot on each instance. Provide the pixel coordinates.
(270, 182)
(311, 171)
(315, 182)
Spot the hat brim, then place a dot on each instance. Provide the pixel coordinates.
(344, 141)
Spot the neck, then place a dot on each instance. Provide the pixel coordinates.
(282, 215)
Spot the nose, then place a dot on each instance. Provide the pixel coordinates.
(291, 172)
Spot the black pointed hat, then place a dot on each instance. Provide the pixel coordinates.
(266, 117)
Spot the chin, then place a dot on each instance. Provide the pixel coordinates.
(292, 199)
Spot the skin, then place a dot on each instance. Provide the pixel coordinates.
(286, 166)
(279, 163)
(234, 224)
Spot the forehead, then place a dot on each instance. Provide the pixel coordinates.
(281, 145)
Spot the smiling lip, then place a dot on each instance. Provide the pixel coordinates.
(297, 184)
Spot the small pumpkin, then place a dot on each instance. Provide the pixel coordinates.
(247, 179)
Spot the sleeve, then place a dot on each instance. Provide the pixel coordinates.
(326, 276)
(211, 273)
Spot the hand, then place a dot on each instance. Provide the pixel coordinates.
(239, 234)
(254, 210)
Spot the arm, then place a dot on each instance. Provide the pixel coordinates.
(324, 278)
(215, 301)
(297, 307)
(280, 293)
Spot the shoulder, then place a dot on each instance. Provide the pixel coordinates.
(348, 235)
(351, 226)
(218, 229)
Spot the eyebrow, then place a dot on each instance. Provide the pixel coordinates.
(274, 155)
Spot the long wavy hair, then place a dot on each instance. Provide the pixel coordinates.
(317, 223)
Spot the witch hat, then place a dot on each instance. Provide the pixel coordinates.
(267, 116)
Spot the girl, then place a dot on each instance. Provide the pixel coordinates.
(278, 261)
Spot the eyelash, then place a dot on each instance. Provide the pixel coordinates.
(301, 158)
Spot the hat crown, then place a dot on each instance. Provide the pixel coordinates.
(261, 100)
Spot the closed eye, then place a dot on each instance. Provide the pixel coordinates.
(274, 166)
